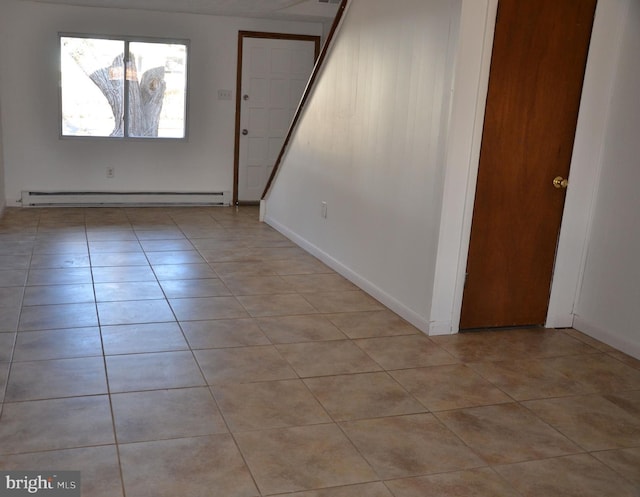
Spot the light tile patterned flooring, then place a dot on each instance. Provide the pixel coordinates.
(196, 352)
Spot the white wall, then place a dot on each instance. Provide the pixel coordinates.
(35, 157)
(383, 213)
(607, 306)
(372, 146)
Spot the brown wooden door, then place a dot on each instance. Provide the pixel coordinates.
(537, 68)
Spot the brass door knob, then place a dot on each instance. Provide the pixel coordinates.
(560, 182)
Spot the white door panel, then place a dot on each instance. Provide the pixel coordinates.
(274, 75)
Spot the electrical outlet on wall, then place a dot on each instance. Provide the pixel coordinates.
(323, 210)
(111, 172)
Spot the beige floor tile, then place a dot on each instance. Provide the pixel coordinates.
(50, 317)
(171, 246)
(139, 338)
(4, 376)
(58, 294)
(455, 386)
(9, 317)
(376, 489)
(165, 414)
(197, 467)
(413, 445)
(11, 296)
(15, 254)
(599, 372)
(597, 344)
(58, 344)
(134, 312)
(482, 482)
(7, 341)
(626, 359)
(227, 253)
(60, 276)
(98, 466)
(183, 271)
(304, 264)
(13, 277)
(591, 421)
(110, 235)
(302, 458)
(629, 401)
(506, 433)
(625, 462)
(514, 344)
(113, 246)
(295, 317)
(400, 352)
(229, 269)
(139, 290)
(552, 343)
(358, 396)
(206, 308)
(218, 239)
(11, 261)
(327, 358)
(167, 256)
(59, 261)
(534, 379)
(223, 333)
(121, 274)
(573, 476)
(275, 253)
(312, 283)
(163, 236)
(117, 259)
(293, 329)
(258, 285)
(270, 404)
(351, 301)
(56, 378)
(128, 373)
(241, 365)
(55, 424)
(52, 246)
(276, 305)
(180, 289)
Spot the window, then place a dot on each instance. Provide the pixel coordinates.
(123, 88)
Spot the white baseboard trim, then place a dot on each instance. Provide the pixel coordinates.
(384, 298)
(441, 328)
(621, 343)
(559, 321)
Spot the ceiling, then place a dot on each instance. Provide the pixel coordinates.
(309, 10)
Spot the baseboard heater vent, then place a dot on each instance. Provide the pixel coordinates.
(97, 199)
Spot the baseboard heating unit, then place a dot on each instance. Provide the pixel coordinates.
(98, 199)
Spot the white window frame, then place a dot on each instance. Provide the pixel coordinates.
(127, 40)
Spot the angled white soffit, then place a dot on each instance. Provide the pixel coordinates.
(312, 10)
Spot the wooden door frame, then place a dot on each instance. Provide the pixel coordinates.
(241, 37)
(475, 44)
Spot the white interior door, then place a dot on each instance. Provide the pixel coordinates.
(274, 75)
